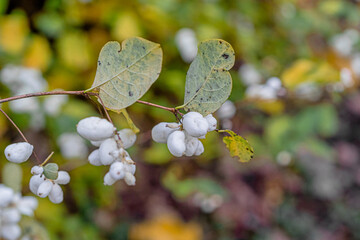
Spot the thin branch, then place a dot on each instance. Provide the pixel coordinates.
(20, 132)
(173, 110)
(82, 93)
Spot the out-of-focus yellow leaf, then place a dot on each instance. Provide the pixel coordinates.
(75, 50)
(38, 54)
(165, 227)
(130, 121)
(305, 70)
(13, 31)
(126, 25)
(238, 146)
(271, 107)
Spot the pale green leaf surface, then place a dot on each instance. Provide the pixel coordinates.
(208, 82)
(12, 176)
(124, 74)
(238, 146)
(51, 171)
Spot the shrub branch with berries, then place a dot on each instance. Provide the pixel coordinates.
(124, 74)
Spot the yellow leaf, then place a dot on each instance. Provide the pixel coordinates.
(129, 121)
(238, 146)
(13, 31)
(38, 54)
(75, 50)
(165, 227)
(305, 70)
(126, 26)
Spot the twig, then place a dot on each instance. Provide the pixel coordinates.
(20, 132)
(45, 94)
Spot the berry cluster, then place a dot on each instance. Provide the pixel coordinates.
(44, 186)
(183, 139)
(12, 206)
(111, 151)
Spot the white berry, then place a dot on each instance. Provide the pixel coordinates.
(117, 170)
(195, 124)
(35, 182)
(18, 152)
(44, 188)
(176, 143)
(63, 178)
(161, 131)
(95, 129)
(56, 194)
(212, 122)
(108, 180)
(127, 136)
(94, 158)
(129, 179)
(36, 170)
(105, 150)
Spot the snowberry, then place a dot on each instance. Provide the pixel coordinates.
(56, 194)
(176, 143)
(127, 136)
(195, 124)
(35, 182)
(108, 180)
(18, 152)
(6, 195)
(161, 131)
(200, 149)
(37, 170)
(105, 151)
(44, 188)
(95, 129)
(129, 179)
(63, 178)
(117, 170)
(94, 158)
(96, 143)
(11, 215)
(131, 168)
(191, 145)
(10, 231)
(212, 122)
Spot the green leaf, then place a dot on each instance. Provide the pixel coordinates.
(12, 176)
(51, 171)
(124, 74)
(238, 146)
(208, 82)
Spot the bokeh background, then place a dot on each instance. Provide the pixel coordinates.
(295, 98)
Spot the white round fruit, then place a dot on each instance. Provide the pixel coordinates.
(127, 136)
(105, 151)
(176, 143)
(161, 131)
(195, 124)
(18, 152)
(95, 128)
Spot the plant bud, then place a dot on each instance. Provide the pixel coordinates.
(18, 152)
(56, 195)
(176, 143)
(95, 129)
(195, 124)
(45, 188)
(94, 158)
(161, 131)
